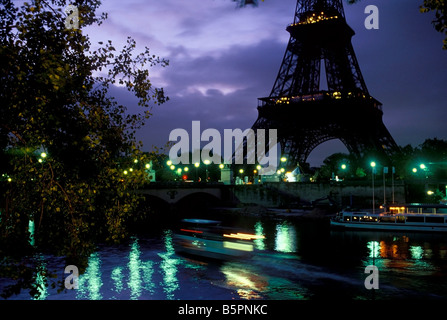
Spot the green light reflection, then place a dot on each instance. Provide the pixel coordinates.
(259, 231)
(374, 249)
(134, 265)
(416, 252)
(31, 232)
(117, 278)
(90, 282)
(41, 279)
(285, 240)
(168, 267)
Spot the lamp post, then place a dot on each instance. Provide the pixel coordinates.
(241, 171)
(206, 162)
(197, 165)
(373, 166)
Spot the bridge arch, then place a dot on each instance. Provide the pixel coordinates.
(199, 199)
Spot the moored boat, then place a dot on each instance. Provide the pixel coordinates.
(410, 217)
(207, 238)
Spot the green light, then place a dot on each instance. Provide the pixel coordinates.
(172, 167)
(207, 162)
(135, 282)
(196, 164)
(283, 159)
(43, 155)
(343, 166)
(90, 282)
(373, 164)
(415, 170)
(169, 162)
(417, 252)
(148, 166)
(285, 239)
(221, 166)
(423, 166)
(260, 242)
(374, 249)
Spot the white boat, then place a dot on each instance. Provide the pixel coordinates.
(412, 217)
(207, 238)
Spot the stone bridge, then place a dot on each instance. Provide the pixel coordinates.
(175, 192)
(273, 194)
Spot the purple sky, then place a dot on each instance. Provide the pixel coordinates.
(222, 59)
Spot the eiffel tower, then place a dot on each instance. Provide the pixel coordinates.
(306, 116)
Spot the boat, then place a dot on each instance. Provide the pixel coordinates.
(408, 217)
(209, 239)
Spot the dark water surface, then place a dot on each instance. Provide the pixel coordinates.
(303, 260)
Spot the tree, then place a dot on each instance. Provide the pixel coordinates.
(65, 143)
(440, 9)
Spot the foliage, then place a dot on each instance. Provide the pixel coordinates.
(55, 102)
(432, 153)
(440, 21)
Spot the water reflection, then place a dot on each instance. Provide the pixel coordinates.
(416, 252)
(134, 266)
(259, 231)
(149, 268)
(117, 277)
(374, 249)
(247, 283)
(285, 238)
(90, 282)
(41, 284)
(169, 267)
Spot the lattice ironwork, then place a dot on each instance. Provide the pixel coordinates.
(306, 116)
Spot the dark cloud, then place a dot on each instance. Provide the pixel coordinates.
(219, 67)
(221, 92)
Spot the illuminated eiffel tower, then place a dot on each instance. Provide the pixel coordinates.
(306, 116)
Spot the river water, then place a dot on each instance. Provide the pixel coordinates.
(298, 259)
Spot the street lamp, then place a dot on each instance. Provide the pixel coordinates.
(206, 162)
(196, 165)
(373, 167)
(169, 163)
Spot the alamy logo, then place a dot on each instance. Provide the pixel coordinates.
(255, 147)
(372, 20)
(372, 281)
(72, 280)
(72, 20)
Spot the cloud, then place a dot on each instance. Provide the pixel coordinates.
(222, 59)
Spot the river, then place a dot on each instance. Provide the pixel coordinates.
(298, 259)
